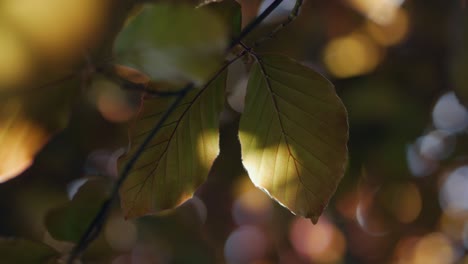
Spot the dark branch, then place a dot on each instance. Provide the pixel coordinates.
(291, 17)
(252, 25)
(95, 226)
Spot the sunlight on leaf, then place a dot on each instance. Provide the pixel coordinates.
(27, 121)
(26, 251)
(294, 132)
(173, 43)
(178, 158)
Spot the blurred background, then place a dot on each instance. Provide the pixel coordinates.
(399, 68)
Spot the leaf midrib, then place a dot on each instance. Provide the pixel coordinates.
(164, 151)
(268, 84)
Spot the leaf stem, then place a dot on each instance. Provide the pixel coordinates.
(291, 17)
(252, 25)
(95, 226)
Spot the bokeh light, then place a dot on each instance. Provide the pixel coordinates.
(437, 145)
(15, 59)
(448, 114)
(351, 55)
(74, 186)
(404, 248)
(114, 103)
(379, 11)
(59, 30)
(246, 244)
(150, 253)
(347, 204)
(391, 33)
(434, 248)
(452, 227)
(370, 213)
(453, 195)
(252, 207)
(121, 234)
(404, 201)
(21, 139)
(418, 164)
(322, 242)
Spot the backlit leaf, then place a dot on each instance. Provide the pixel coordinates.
(293, 133)
(23, 251)
(178, 158)
(170, 42)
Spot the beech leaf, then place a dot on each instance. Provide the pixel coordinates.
(293, 132)
(173, 42)
(178, 158)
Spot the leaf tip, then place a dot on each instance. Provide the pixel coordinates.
(314, 219)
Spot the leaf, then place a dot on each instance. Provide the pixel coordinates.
(178, 158)
(227, 10)
(70, 221)
(22, 251)
(27, 122)
(294, 132)
(175, 43)
(130, 78)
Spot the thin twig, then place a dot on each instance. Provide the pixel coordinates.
(96, 225)
(291, 17)
(140, 87)
(252, 25)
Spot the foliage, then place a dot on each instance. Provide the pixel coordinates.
(293, 131)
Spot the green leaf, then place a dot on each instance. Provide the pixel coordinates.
(21, 251)
(293, 133)
(229, 11)
(178, 158)
(175, 43)
(28, 119)
(70, 221)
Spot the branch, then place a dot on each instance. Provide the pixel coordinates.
(95, 226)
(140, 87)
(252, 25)
(291, 17)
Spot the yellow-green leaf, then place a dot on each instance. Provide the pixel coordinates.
(177, 43)
(178, 158)
(229, 11)
(293, 132)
